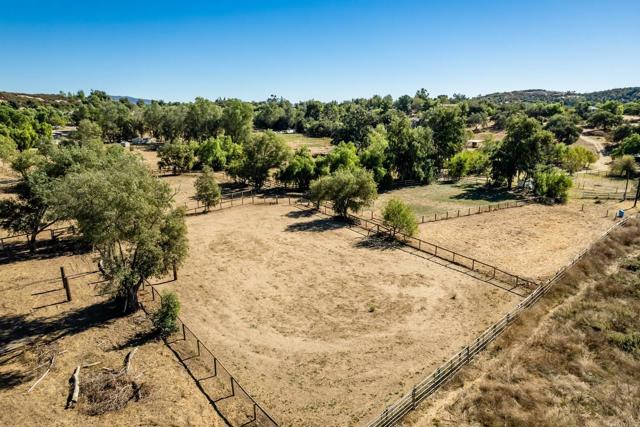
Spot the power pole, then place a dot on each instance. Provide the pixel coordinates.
(635, 201)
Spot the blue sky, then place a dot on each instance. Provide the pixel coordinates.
(317, 49)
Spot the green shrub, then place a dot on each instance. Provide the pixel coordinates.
(552, 184)
(626, 342)
(400, 217)
(207, 189)
(166, 318)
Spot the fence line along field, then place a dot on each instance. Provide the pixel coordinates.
(37, 322)
(533, 241)
(321, 324)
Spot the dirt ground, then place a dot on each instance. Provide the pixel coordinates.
(533, 241)
(87, 332)
(318, 324)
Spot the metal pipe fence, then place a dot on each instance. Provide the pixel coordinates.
(393, 413)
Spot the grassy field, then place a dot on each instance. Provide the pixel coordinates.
(316, 145)
(437, 198)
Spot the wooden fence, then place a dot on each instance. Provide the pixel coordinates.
(472, 264)
(187, 346)
(51, 234)
(393, 413)
(248, 197)
(462, 212)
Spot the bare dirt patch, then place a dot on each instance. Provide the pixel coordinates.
(86, 330)
(533, 241)
(319, 324)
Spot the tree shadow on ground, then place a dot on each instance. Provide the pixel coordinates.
(489, 194)
(19, 328)
(20, 252)
(301, 213)
(381, 242)
(13, 378)
(138, 339)
(318, 225)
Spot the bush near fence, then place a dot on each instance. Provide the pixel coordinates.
(458, 213)
(210, 374)
(473, 264)
(396, 411)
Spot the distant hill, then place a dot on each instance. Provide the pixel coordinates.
(541, 95)
(131, 99)
(33, 99)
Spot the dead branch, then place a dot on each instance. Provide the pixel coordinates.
(74, 389)
(51, 363)
(127, 360)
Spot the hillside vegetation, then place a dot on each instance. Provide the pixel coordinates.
(573, 361)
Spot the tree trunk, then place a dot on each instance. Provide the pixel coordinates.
(131, 303)
(32, 242)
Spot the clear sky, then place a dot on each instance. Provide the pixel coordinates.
(177, 50)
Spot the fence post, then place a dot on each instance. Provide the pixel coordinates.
(276, 199)
(233, 390)
(473, 264)
(413, 398)
(469, 212)
(423, 219)
(65, 283)
(184, 332)
(198, 345)
(458, 213)
(175, 272)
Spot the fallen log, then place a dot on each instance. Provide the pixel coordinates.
(74, 388)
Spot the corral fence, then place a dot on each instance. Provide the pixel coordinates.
(213, 379)
(49, 235)
(603, 195)
(462, 212)
(393, 413)
(489, 271)
(248, 197)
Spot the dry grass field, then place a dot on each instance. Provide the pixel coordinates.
(533, 241)
(566, 362)
(441, 197)
(316, 145)
(318, 323)
(87, 331)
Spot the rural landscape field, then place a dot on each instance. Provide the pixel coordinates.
(212, 254)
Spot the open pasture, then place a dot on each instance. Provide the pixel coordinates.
(316, 145)
(320, 324)
(437, 198)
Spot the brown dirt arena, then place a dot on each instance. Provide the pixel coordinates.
(320, 327)
(533, 241)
